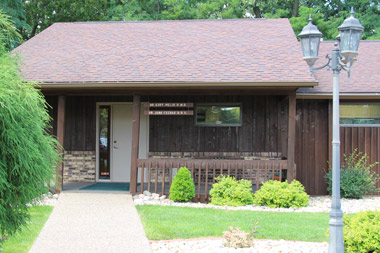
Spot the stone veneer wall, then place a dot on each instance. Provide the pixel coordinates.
(79, 166)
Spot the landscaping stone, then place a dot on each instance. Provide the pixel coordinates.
(216, 246)
(318, 204)
(146, 193)
(46, 200)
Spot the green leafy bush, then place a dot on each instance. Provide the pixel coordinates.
(281, 194)
(356, 176)
(227, 191)
(182, 189)
(361, 232)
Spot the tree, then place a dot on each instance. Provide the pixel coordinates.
(27, 152)
(15, 9)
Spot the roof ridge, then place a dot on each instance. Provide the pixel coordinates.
(172, 21)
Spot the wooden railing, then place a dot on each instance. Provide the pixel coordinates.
(156, 175)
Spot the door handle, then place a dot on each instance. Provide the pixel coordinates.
(114, 145)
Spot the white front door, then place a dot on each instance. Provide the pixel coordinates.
(121, 141)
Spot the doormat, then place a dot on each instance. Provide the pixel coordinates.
(107, 187)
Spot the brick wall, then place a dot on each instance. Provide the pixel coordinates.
(79, 166)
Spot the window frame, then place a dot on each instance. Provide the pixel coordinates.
(219, 104)
(358, 103)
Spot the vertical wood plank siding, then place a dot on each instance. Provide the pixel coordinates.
(264, 127)
(312, 144)
(365, 139)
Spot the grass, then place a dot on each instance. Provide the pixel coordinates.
(23, 240)
(169, 222)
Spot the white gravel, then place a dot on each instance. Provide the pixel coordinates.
(48, 199)
(317, 204)
(216, 246)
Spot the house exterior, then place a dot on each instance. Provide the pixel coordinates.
(134, 101)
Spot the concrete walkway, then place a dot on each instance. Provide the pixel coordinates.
(93, 222)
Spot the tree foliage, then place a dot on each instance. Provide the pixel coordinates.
(33, 16)
(27, 152)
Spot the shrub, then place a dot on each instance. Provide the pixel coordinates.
(356, 176)
(361, 232)
(281, 194)
(227, 191)
(236, 238)
(27, 152)
(182, 189)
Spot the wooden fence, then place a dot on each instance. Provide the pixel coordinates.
(156, 175)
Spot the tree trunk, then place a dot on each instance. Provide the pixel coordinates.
(257, 12)
(295, 8)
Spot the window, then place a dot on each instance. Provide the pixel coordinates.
(218, 115)
(360, 114)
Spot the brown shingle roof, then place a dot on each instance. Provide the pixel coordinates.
(245, 50)
(365, 73)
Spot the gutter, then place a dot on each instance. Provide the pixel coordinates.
(343, 95)
(89, 85)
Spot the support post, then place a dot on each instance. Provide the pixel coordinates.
(291, 136)
(336, 223)
(135, 142)
(60, 137)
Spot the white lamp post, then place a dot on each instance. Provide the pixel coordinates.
(350, 33)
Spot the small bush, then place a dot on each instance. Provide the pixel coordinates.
(281, 194)
(227, 191)
(236, 238)
(356, 176)
(361, 232)
(182, 189)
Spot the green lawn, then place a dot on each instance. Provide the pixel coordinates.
(23, 241)
(169, 222)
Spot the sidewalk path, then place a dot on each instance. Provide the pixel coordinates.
(93, 222)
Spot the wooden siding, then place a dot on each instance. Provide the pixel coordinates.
(80, 126)
(264, 127)
(365, 139)
(312, 144)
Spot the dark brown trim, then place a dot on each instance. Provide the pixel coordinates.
(291, 136)
(330, 126)
(135, 142)
(60, 137)
(171, 91)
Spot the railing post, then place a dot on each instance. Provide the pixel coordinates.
(135, 142)
(60, 137)
(291, 135)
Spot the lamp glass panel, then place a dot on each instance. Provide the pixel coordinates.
(344, 40)
(314, 46)
(305, 42)
(354, 41)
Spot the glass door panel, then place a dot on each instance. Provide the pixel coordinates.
(104, 141)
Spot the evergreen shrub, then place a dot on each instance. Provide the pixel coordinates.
(356, 176)
(227, 191)
(361, 232)
(182, 188)
(281, 194)
(28, 153)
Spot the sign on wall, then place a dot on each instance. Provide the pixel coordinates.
(161, 112)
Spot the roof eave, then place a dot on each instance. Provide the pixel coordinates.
(342, 95)
(88, 85)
